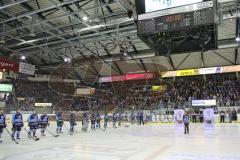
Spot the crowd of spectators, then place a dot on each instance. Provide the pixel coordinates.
(131, 94)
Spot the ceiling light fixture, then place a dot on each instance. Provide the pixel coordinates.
(67, 60)
(85, 18)
(238, 39)
(23, 57)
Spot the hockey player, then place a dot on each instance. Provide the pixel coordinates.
(105, 120)
(72, 121)
(141, 121)
(98, 121)
(132, 118)
(119, 119)
(85, 122)
(114, 120)
(43, 123)
(17, 124)
(59, 120)
(93, 122)
(2, 123)
(33, 124)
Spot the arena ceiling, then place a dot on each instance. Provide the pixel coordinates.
(91, 33)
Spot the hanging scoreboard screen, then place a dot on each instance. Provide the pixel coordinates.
(176, 18)
(156, 5)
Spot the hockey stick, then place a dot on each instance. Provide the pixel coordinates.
(125, 124)
(66, 128)
(34, 138)
(52, 133)
(11, 136)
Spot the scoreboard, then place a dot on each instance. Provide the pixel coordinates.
(177, 26)
(176, 21)
(176, 18)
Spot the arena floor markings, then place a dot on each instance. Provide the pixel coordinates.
(149, 142)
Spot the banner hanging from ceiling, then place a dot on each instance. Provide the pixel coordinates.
(26, 68)
(9, 65)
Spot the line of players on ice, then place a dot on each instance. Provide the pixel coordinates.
(35, 122)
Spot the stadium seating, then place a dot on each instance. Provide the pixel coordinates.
(131, 94)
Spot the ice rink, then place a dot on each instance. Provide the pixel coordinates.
(149, 142)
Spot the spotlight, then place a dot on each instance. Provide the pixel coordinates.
(67, 60)
(85, 18)
(23, 57)
(238, 39)
(125, 54)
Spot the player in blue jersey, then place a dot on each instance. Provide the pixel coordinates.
(17, 124)
(114, 120)
(141, 118)
(2, 123)
(33, 124)
(169, 3)
(119, 119)
(43, 121)
(132, 118)
(59, 120)
(186, 121)
(72, 121)
(105, 120)
(98, 118)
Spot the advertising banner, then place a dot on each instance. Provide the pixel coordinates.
(85, 91)
(208, 117)
(201, 71)
(43, 104)
(26, 68)
(212, 70)
(188, 72)
(211, 102)
(127, 77)
(178, 116)
(178, 119)
(168, 74)
(8, 64)
(160, 88)
(229, 69)
(6, 88)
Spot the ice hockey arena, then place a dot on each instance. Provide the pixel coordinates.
(119, 80)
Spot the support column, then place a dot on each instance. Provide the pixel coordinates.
(237, 75)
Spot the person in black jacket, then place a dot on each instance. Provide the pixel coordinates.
(93, 122)
(234, 115)
(222, 117)
(194, 117)
(186, 120)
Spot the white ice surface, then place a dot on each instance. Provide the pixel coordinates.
(149, 142)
